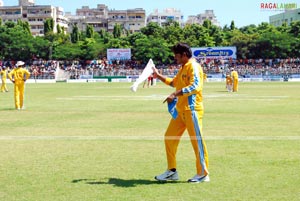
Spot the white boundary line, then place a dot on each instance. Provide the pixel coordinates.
(111, 138)
(222, 97)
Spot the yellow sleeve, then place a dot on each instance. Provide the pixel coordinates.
(168, 81)
(171, 81)
(10, 75)
(27, 74)
(196, 80)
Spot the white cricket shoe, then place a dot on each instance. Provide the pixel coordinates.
(167, 175)
(199, 178)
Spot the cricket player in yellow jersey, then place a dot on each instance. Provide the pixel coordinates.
(235, 79)
(188, 84)
(19, 76)
(204, 77)
(3, 79)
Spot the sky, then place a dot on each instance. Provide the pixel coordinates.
(242, 12)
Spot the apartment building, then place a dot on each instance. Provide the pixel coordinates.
(95, 17)
(163, 17)
(131, 19)
(288, 16)
(200, 18)
(36, 15)
(99, 18)
(103, 18)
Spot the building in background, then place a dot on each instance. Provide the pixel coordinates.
(288, 16)
(35, 15)
(100, 18)
(200, 18)
(169, 14)
(131, 19)
(95, 17)
(103, 18)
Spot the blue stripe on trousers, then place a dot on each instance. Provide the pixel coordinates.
(199, 139)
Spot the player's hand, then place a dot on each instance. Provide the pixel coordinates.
(170, 98)
(155, 71)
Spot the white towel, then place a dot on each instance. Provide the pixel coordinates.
(145, 74)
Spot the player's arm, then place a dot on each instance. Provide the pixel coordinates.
(195, 82)
(172, 96)
(164, 79)
(27, 75)
(10, 76)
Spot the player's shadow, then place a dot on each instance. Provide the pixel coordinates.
(8, 109)
(117, 182)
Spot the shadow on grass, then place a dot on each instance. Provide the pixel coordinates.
(123, 182)
(8, 109)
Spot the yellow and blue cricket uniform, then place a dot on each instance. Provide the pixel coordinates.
(235, 77)
(19, 76)
(3, 79)
(190, 110)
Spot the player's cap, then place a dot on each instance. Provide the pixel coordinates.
(20, 63)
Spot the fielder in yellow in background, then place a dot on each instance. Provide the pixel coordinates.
(188, 83)
(18, 76)
(204, 77)
(3, 74)
(235, 78)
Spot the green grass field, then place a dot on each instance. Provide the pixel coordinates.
(100, 141)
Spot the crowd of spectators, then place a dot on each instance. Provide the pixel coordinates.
(255, 68)
(41, 69)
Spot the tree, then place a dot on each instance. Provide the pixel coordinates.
(207, 24)
(243, 43)
(133, 37)
(88, 49)
(75, 35)
(117, 31)
(10, 24)
(16, 44)
(118, 43)
(232, 26)
(250, 29)
(48, 26)
(172, 32)
(25, 25)
(272, 45)
(69, 51)
(40, 47)
(90, 31)
(59, 29)
(283, 28)
(151, 47)
(295, 29)
(265, 27)
(152, 29)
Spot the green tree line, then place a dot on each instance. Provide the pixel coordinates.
(262, 41)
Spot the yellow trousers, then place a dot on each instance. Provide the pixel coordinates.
(235, 85)
(19, 95)
(192, 121)
(3, 86)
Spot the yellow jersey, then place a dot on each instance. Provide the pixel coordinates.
(3, 74)
(190, 80)
(19, 75)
